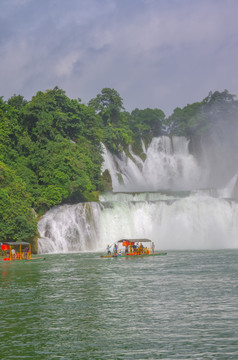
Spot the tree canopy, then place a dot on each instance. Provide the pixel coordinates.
(53, 145)
(50, 147)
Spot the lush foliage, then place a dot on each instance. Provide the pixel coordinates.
(17, 218)
(114, 121)
(50, 147)
(121, 128)
(198, 119)
(52, 144)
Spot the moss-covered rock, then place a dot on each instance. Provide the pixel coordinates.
(91, 195)
(120, 178)
(34, 244)
(106, 181)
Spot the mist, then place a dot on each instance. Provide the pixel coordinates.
(218, 154)
(179, 195)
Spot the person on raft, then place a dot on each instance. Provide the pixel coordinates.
(115, 249)
(108, 250)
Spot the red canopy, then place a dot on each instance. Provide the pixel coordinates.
(127, 243)
(5, 247)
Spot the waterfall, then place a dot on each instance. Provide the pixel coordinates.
(231, 189)
(193, 222)
(159, 198)
(168, 165)
(69, 228)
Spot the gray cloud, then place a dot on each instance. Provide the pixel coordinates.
(155, 53)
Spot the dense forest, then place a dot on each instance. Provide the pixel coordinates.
(51, 153)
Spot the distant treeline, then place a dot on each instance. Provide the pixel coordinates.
(50, 147)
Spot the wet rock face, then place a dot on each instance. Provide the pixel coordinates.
(106, 181)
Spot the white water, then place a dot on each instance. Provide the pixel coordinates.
(177, 217)
(168, 165)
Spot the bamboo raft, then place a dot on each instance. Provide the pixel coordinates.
(132, 249)
(17, 252)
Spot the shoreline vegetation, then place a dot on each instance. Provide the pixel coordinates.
(51, 152)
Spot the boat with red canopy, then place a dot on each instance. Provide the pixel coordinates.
(17, 251)
(132, 247)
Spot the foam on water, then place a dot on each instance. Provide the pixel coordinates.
(168, 164)
(195, 222)
(166, 206)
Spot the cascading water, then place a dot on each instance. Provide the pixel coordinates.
(70, 228)
(168, 165)
(164, 206)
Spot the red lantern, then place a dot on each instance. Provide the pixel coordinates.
(5, 247)
(125, 243)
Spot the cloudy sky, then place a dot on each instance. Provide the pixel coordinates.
(155, 53)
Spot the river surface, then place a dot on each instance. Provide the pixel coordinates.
(80, 306)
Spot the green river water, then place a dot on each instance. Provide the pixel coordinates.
(80, 306)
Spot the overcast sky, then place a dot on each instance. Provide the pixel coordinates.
(155, 53)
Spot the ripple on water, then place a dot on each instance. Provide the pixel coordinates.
(79, 306)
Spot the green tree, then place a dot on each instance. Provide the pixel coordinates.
(198, 119)
(116, 133)
(108, 105)
(17, 218)
(17, 101)
(147, 123)
(184, 122)
(10, 131)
